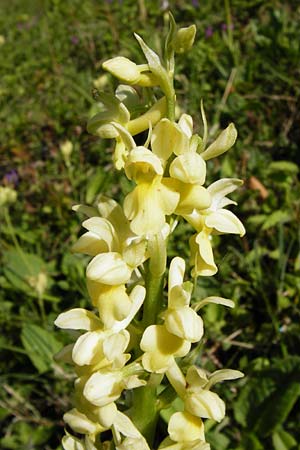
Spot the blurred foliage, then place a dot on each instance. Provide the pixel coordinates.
(245, 65)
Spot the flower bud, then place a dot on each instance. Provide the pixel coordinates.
(123, 69)
(66, 149)
(184, 39)
(7, 196)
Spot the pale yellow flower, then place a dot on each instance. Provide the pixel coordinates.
(184, 427)
(161, 347)
(70, 442)
(180, 319)
(128, 72)
(127, 435)
(213, 220)
(114, 122)
(7, 196)
(116, 249)
(199, 400)
(81, 424)
(153, 198)
(101, 346)
(186, 432)
(106, 385)
(66, 149)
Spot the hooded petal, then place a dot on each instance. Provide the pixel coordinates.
(184, 323)
(103, 387)
(168, 138)
(205, 404)
(189, 168)
(88, 348)
(108, 268)
(141, 163)
(123, 69)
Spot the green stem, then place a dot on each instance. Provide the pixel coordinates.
(171, 100)
(153, 300)
(144, 412)
(229, 23)
(14, 239)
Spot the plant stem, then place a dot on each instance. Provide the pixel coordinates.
(171, 100)
(14, 239)
(144, 412)
(153, 300)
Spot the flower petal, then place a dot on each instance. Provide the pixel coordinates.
(189, 168)
(90, 244)
(103, 387)
(141, 161)
(184, 427)
(185, 122)
(219, 189)
(88, 348)
(80, 423)
(225, 221)
(168, 138)
(78, 319)
(205, 404)
(224, 142)
(184, 323)
(108, 268)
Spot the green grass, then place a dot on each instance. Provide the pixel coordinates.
(245, 65)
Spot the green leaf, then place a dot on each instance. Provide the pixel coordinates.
(282, 440)
(276, 408)
(95, 185)
(283, 166)
(21, 268)
(40, 345)
(251, 442)
(269, 395)
(275, 218)
(217, 440)
(253, 394)
(171, 37)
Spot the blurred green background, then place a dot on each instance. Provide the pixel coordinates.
(245, 65)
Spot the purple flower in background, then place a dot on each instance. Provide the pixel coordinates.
(209, 31)
(224, 27)
(11, 177)
(195, 3)
(74, 40)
